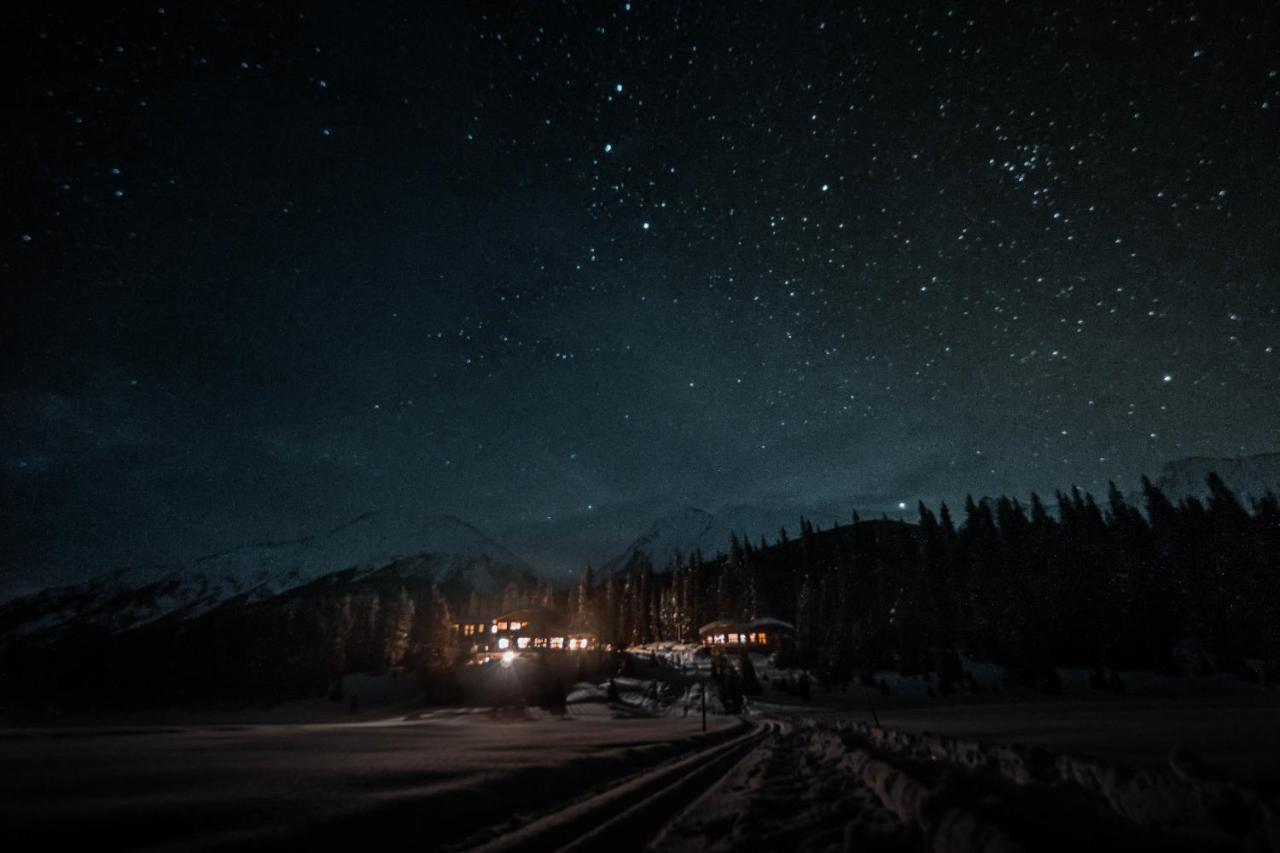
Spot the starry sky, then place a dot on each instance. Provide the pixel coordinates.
(558, 269)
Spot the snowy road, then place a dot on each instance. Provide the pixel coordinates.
(610, 778)
(429, 782)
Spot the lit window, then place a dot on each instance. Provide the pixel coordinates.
(502, 626)
(557, 642)
(493, 629)
(764, 638)
(752, 635)
(503, 642)
(522, 642)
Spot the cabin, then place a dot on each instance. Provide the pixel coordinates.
(765, 635)
(531, 630)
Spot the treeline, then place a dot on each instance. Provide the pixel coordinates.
(290, 646)
(1174, 587)
(1191, 586)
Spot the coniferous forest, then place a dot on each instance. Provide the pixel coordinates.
(1176, 588)
(1190, 587)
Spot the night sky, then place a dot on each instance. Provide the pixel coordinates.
(558, 270)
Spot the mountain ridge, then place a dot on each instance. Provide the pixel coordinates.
(125, 597)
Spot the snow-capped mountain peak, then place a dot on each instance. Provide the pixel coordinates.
(1247, 476)
(438, 546)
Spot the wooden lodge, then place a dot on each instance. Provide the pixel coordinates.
(526, 630)
(765, 634)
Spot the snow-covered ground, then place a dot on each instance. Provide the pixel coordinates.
(429, 781)
(832, 786)
(1240, 733)
(992, 772)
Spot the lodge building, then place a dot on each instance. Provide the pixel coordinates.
(765, 634)
(525, 630)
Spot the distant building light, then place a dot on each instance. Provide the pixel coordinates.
(503, 642)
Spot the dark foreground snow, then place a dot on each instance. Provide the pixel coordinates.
(1058, 776)
(426, 782)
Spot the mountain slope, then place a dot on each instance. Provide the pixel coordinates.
(1247, 476)
(437, 549)
(692, 529)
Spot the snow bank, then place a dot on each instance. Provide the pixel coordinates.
(1186, 796)
(687, 655)
(947, 828)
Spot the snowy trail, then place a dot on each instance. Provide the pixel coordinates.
(611, 779)
(626, 817)
(824, 786)
(431, 782)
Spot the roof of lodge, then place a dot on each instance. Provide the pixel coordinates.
(728, 625)
(548, 619)
(522, 613)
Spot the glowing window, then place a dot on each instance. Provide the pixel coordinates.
(522, 642)
(764, 638)
(557, 642)
(503, 642)
(493, 629)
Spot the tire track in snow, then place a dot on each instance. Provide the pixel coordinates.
(628, 816)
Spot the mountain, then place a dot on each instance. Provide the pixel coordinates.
(434, 549)
(684, 531)
(691, 528)
(1248, 476)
